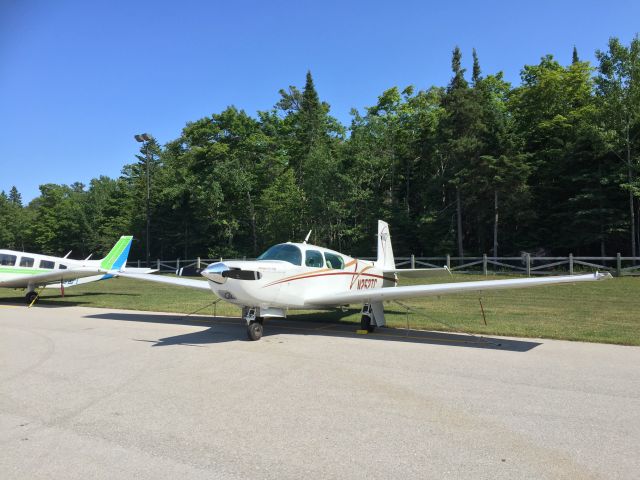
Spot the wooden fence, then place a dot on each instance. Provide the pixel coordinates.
(523, 265)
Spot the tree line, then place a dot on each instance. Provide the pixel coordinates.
(548, 166)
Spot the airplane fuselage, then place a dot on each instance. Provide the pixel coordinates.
(14, 264)
(288, 283)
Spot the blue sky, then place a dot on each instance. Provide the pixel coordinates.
(78, 79)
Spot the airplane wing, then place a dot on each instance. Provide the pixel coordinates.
(52, 276)
(397, 293)
(181, 282)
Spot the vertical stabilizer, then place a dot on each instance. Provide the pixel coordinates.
(117, 257)
(385, 251)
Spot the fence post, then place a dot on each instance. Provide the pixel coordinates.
(198, 263)
(138, 263)
(158, 264)
(448, 261)
(528, 260)
(484, 264)
(177, 265)
(571, 264)
(413, 261)
(618, 265)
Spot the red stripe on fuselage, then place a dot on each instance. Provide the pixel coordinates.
(327, 275)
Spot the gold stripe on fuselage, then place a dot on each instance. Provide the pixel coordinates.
(308, 274)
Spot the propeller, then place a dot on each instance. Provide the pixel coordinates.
(219, 272)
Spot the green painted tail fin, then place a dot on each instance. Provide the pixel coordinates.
(117, 257)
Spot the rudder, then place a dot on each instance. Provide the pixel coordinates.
(385, 259)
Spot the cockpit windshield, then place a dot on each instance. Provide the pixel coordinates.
(284, 251)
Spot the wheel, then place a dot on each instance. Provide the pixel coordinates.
(30, 297)
(365, 324)
(254, 330)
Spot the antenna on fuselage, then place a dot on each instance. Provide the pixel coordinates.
(90, 255)
(68, 254)
(306, 239)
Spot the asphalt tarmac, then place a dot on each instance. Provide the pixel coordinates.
(94, 393)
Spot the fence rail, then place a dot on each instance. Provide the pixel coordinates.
(523, 265)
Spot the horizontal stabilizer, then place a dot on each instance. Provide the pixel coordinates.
(420, 272)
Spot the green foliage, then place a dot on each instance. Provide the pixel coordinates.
(618, 95)
(476, 166)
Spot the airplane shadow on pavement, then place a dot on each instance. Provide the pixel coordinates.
(230, 329)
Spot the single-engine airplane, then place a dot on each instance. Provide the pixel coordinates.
(301, 276)
(31, 271)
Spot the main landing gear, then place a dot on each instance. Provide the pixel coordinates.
(30, 297)
(366, 319)
(254, 323)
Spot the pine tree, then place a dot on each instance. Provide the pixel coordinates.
(618, 88)
(14, 196)
(476, 68)
(311, 121)
(459, 128)
(458, 81)
(575, 59)
(6, 234)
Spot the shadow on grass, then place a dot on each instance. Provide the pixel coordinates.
(229, 329)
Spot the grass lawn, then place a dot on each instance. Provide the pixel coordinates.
(606, 311)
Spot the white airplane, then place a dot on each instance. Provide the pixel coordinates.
(299, 276)
(32, 271)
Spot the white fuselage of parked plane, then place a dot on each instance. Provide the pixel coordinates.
(14, 264)
(284, 285)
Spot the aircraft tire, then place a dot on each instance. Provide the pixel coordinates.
(254, 331)
(30, 297)
(365, 324)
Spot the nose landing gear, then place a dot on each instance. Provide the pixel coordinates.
(254, 323)
(254, 330)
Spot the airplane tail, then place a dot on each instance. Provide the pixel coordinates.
(385, 259)
(116, 259)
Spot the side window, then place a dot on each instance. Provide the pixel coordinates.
(334, 261)
(313, 258)
(47, 264)
(26, 262)
(9, 260)
(62, 267)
